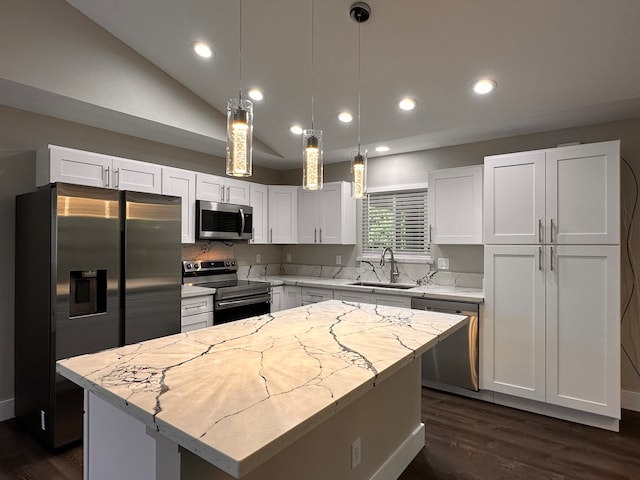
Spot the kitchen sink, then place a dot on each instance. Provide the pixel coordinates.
(400, 286)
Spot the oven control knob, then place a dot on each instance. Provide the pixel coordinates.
(189, 266)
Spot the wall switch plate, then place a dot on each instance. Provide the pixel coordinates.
(338, 259)
(288, 257)
(356, 453)
(258, 258)
(443, 264)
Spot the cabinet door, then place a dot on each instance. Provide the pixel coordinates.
(583, 329)
(276, 298)
(182, 183)
(260, 205)
(136, 176)
(392, 300)
(308, 216)
(78, 167)
(355, 297)
(209, 187)
(583, 194)
(283, 214)
(292, 297)
(330, 210)
(514, 198)
(237, 191)
(455, 205)
(514, 322)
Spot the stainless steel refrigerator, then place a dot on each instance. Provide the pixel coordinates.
(95, 269)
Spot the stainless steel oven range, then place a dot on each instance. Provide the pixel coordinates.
(233, 299)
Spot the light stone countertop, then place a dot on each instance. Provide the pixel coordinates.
(236, 394)
(189, 291)
(441, 292)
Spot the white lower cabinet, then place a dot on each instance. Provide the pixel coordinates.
(314, 295)
(373, 298)
(277, 294)
(196, 312)
(292, 297)
(551, 325)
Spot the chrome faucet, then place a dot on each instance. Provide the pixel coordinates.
(394, 273)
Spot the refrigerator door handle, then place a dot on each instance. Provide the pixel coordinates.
(241, 213)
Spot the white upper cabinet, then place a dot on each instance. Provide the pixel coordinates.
(327, 216)
(514, 198)
(583, 194)
(565, 195)
(182, 183)
(213, 188)
(61, 164)
(260, 205)
(283, 214)
(454, 202)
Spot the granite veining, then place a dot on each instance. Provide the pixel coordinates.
(238, 393)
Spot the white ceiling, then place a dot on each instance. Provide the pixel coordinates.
(558, 63)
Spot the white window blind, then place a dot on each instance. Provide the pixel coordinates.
(398, 220)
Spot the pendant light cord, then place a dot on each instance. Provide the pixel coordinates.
(240, 54)
(359, 25)
(312, 57)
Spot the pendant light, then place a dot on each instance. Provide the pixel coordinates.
(240, 128)
(312, 167)
(359, 13)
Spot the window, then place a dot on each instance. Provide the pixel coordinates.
(395, 219)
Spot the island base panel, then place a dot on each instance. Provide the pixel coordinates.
(386, 418)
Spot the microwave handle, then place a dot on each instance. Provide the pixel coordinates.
(241, 212)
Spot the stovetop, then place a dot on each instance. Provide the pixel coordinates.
(223, 276)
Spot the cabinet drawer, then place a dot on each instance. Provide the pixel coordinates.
(195, 305)
(315, 295)
(190, 320)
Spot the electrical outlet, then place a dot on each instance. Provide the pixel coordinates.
(258, 258)
(288, 258)
(356, 453)
(338, 259)
(443, 264)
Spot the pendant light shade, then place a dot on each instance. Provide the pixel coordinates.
(312, 161)
(359, 13)
(359, 174)
(312, 168)
(240, 128)
(239, 137)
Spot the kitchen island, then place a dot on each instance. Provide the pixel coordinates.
(329, 390)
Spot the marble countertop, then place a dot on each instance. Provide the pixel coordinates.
(189, 291)
(236, 394)
(442, 292)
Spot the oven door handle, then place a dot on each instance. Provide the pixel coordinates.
(224, 304)
(241, 213)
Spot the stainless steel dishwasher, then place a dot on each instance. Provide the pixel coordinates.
(454, 361)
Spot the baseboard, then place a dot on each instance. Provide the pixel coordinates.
(630, 400)
(7, 409)
(402, 457)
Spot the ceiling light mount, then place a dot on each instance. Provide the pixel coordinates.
(360, 12)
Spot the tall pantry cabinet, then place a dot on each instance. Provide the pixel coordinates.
(552, 277)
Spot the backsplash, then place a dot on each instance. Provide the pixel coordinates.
(410, 273)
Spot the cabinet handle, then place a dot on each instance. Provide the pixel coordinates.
(320, 235)
(221, 193)
(551, 260)
(539, 258)
(539, 230)
(271, 235)
(106, 171)
(116, 178)
(551, 230)
(228, 193)
(430, 238)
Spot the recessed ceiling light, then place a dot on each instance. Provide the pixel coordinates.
(407, 103)
(382, 148)
(255, 94)
(484, 86)
(345, 117)
(202, 49)
(295, 129)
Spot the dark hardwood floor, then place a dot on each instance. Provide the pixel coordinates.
(466, 439)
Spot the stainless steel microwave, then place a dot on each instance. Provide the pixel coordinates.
(223, 221)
